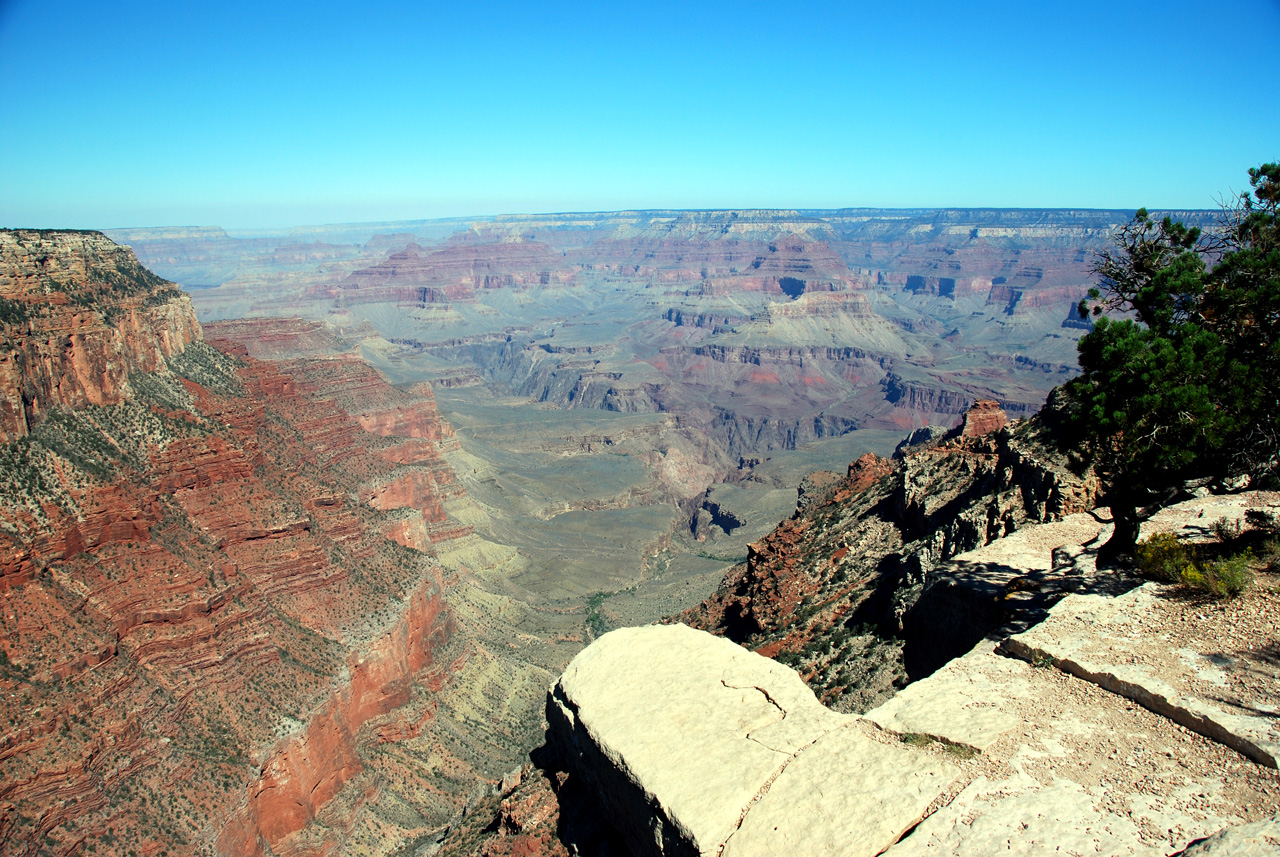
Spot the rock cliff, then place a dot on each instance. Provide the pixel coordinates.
(78, 316)
(213, 629)
(1124, 723)
(1115, 718)
(832, 588)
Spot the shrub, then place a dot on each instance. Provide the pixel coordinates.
(1163, 557)
(1227, 530)
(1221, 578)
(1270, 555)
(1260, 519)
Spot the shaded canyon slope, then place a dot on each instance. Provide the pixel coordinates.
(836, 590)
(225, 583)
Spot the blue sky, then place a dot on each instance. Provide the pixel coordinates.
(273, 114)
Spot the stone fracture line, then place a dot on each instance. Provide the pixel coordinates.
(697, 746)
(764, 789)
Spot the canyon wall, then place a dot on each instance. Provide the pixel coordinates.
(79, 316)
(830, 591)
(205, 629)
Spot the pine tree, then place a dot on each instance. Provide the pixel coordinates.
(1183, 388)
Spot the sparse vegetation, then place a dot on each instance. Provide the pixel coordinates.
(1164, 557)
(597, 624)
(210, 368)
(13, 312)
(1227, 530)
(1221, 578)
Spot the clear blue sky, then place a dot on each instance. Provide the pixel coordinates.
(269, 114)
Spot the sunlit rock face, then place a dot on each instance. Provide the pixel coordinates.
(693, 745)
(206, 622)
(79, 314)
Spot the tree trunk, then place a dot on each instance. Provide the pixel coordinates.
(1119, 549)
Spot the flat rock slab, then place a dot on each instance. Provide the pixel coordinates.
(965, 702)
(1022, 816)
(1031, 548)
(1116, 644)
(845, 794)
(691, 741)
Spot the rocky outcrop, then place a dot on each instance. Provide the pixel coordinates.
(78, 315)
(984, 417)
(276, 338)
(1077, 749)
(775, 771)
(1248, 840)
(1092, 637)
(305, 771)
(830, 589)
(454, 272)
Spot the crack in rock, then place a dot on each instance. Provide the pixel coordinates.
(768, 784)
(1205, 721)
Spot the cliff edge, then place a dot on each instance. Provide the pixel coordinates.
(1138, 723)
(78, 316)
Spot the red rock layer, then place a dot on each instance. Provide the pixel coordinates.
(305, 771)
(832, 567)
(984, 417)
(723, 266)
(161, 630)
(80, 314)
(455, 272)
(275, 338)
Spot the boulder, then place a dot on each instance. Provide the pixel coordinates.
(1246, 840)
(695, 746)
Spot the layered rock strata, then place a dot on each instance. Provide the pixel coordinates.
(832, 589)
(208, 640)
(78, 315)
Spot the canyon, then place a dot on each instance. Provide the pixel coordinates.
(228, 586)
(610, 374)
(296, 531)
(948, 670)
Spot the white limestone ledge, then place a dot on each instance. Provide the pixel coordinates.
(696, 746)
(1093, 637)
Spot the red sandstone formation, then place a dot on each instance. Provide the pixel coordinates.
(845, 563)
(983, 417)
(418, 275)
(275, 338)
(863, 473)
(81, 314)
(306, 770)
(193, 635)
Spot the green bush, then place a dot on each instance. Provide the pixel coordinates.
(1221, 578)
(1227, 530)
(1163, 557)
(1270, 555)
